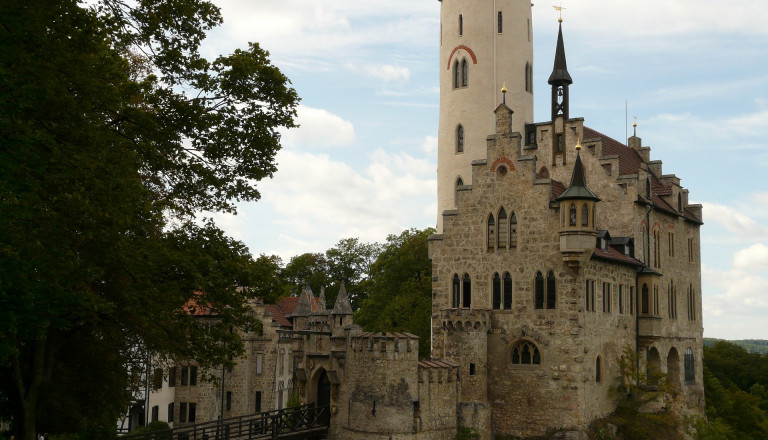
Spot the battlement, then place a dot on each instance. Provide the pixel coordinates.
(438, 371)
(466, 320)
(390, 343)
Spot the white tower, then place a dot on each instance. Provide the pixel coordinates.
(483, 46)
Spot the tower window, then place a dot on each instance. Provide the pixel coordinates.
(464, 73)
(461, 25)
(507, 289)
(585, 216)
(572, 215)
(466, 291)
(644, 300)
(496, 300)
(598, 369)
(513, 231)
(691, 304)
(499, 23)
(456, 75)
(460, 139)
(690, 369)
(456, 291)
(459, 183)
(551, 290)
(539, 291)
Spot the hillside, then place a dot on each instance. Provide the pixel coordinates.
(751, 345)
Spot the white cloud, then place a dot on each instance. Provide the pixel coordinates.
(753, 257)
(429, 145)
(738, 309)
(735, 221)
(386, 72)
(318, 128)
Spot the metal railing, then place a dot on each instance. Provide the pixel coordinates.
(298, 422)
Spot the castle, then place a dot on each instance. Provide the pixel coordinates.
(558, 248)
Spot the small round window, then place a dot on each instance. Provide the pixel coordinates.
(501, 171)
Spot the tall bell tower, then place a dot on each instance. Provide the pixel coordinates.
(484, 45)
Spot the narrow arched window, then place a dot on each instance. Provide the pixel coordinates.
(539, 291)
(461, 25)
(491, 231)
(455, 291)
(584, 215)
(551, 290)
(502, 229)
(513, 230)
(466, 292)
(680, 202)
(648, 189)
(644, 300)
(456, 75)
(530, 78)
(690, 367)
(691, 304)
(598, 369)
(527, 79)
(464, 73)
(496, 300)
(460, 139)
(459, 182)
(499, 23)
(507, 289)
(572, 215)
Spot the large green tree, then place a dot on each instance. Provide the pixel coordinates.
(114, 134)
(400, 288)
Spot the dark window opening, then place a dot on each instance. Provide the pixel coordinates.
(183, 412)
(496, 300)
(471, 369)
(184, 375)
(491, 231)
(551, 291)
(507, 291)
(460, 139)
(155, 413)
(466, 297)
(539, 291)
(690, 369)
(193, 375)
(172, 377)
(464, 73)
(525, 353)
(456, 291)
(192, 412)
(585, 215)
(170, 412)
(598, 373)
(229, 401)
(499, 23)
(257, 402)
(502, 229)
(645, 300)
(461, 25)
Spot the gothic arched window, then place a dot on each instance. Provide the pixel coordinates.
(572, 215)
(539, 291)
(464, 73)
(585, 215)
(507, 291)
(455, 291)
(456, 75)
(502, 229)
(644, 300)
(551, 290)
(496, 300)
(466, 291)
(525, 353)
(690, 367)
(499, 23)
(491, 231)
(459, 182)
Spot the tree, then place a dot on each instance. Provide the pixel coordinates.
(400, 288)
(308, 268)
(114, 134)
(350, 261)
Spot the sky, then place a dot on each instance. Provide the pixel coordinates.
(363, 162)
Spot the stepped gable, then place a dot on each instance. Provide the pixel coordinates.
(630, 163)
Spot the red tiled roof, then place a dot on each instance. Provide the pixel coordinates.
(629, 160)
(193, 307)
(277, 315)
(610, 253)
(557, 189)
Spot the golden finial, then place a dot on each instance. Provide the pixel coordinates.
(578, 145)
(560, 10)
(504, 87)
(634, 126)
(504, 93)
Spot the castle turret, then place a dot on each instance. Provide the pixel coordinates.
(577, 217)
(342, 309)
(560, 79)
(483, 45)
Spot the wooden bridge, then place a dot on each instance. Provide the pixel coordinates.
(298, 423)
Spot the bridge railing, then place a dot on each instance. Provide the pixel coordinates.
(265, 425)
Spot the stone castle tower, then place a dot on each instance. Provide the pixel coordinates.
(483, 46)
(559, 249)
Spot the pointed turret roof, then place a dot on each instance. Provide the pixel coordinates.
(560, 74)
(304, 306)
(578, 188)
(342, 305)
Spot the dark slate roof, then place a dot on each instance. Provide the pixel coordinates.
(437, 363)
(578, 189)
(388, 335)
(560, 73)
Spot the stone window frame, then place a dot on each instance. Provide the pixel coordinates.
(490, 232)
(459, 182)
(502, 291)
(499, 23)
(460, 136)
(461, 291)
(464, 73)
(516, 357)
(502, 229)
(598, 369)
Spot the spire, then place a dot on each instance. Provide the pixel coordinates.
(560, 79)
(304, 305)
(560, 73)
(578, 188)
(342, 305)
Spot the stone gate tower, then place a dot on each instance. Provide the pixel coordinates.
(483, 46)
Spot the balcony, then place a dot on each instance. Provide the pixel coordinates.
(648, 329)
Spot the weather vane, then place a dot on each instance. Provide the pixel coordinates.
(560, 10)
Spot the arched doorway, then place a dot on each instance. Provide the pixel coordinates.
(653, 369)
(323, 394)
(673, 368)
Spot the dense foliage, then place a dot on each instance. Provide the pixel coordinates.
(114, 134)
